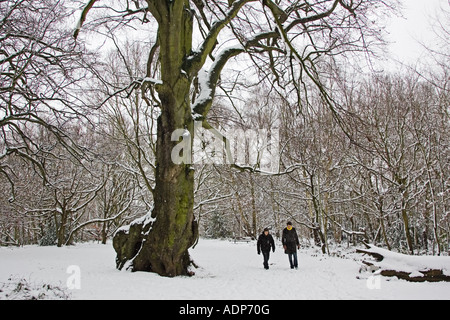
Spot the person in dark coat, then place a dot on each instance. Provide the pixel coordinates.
(264, 244)
(291, 244)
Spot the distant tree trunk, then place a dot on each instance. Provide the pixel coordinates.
(104, 232)
(254, 217)
(383, 230)
(243, 223)
(319, 237)
(62, 228)
(405, 218)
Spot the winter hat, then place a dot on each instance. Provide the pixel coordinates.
(266, 229)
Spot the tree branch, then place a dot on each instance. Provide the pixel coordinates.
(198, 58)
(84, 14)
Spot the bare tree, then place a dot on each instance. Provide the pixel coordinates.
(42, 70)
(196, 40)
(404, 132)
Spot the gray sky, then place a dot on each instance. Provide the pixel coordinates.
(415, 27)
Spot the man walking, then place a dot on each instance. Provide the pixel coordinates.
(264, 244)
(291, 244)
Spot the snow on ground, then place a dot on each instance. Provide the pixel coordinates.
(228, 271)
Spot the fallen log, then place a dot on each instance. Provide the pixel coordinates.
(410, 268)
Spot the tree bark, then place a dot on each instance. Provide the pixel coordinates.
(165, 249)
(406, 223)
(162, 245)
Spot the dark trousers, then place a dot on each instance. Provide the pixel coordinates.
(293, 256)
(266, 256)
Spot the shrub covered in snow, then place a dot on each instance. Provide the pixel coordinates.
(21, 289)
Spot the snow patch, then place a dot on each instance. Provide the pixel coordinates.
(207, 88)
(227, 270)
(144, 220)
(206, 91)
(152, 81)
(17, 288)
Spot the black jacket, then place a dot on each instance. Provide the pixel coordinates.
(265, 243)
(290, 240)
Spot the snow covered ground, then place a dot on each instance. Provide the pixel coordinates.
(228, 271)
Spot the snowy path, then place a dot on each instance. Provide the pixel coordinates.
(228, 271)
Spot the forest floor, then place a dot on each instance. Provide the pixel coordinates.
(227, 271)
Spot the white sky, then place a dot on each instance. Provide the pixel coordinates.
(415, 27)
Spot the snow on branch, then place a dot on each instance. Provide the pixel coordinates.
(207, 80)
(197, 60)
(99, 220)
(150, 81)
(129, 88)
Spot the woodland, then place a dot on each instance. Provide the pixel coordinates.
(86, 118)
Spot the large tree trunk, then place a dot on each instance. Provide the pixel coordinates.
(160, 244)
(165, 249)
